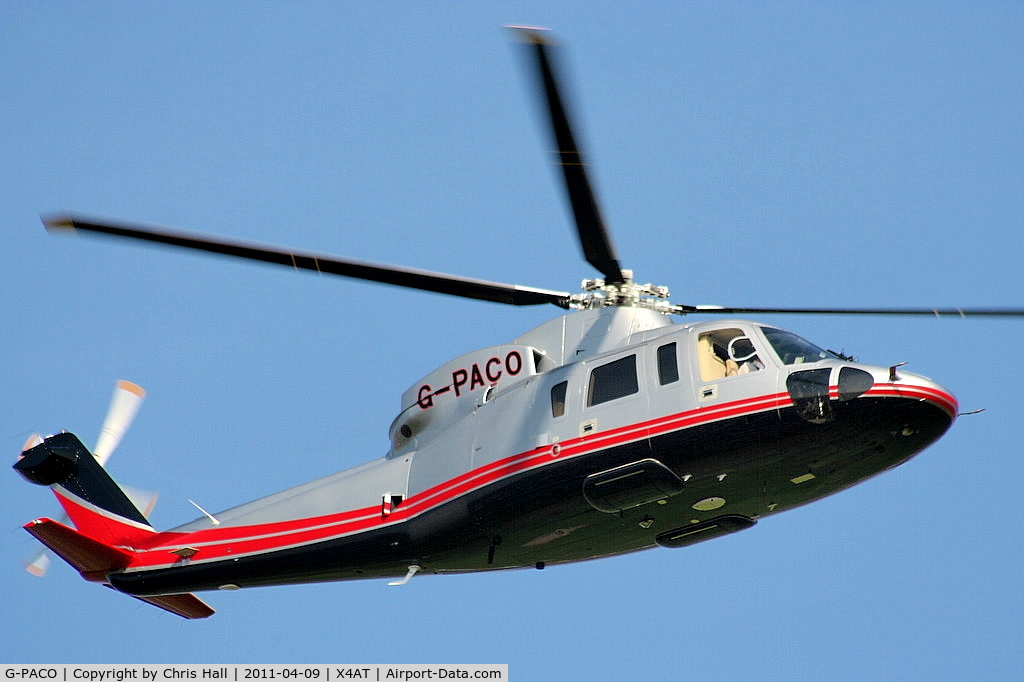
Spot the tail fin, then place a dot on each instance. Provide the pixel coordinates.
(108, 523)
(91, 498)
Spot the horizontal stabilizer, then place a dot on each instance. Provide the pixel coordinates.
(94, 560)
(91, 558)
(185, 605)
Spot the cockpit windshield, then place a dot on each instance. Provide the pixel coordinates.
(793, 350)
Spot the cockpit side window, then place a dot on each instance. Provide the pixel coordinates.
(792, 349)
(726, 352)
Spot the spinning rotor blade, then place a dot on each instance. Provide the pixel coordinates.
(39, 562)
(386, 274)
(33, 440)
(594, 238)
(929, 312)
(124, 405)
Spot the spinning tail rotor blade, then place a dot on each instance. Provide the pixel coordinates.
(39, 562)
(124, 405)
(594, 237)
(33, 440)
(144, 500)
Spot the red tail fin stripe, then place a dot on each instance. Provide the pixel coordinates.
(99, 523)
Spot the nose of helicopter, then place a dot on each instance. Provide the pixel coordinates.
(877, 417)
(895, 384)
(906, 412)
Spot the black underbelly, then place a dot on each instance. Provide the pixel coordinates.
(752, 465)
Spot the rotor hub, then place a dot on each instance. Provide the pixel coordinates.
(597, 293)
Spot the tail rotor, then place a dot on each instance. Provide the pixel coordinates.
(124, 405)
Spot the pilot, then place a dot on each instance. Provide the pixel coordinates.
(743, 355)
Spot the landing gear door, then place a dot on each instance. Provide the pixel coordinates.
(729, 364)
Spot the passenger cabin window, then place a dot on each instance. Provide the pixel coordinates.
(614, 380)
(558, 399)
(726, 353)
(668, 367)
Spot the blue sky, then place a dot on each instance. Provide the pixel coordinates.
(795, 154)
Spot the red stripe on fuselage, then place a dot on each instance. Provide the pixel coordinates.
(233, 542)
(894, 390)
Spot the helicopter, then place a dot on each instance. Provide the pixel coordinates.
(608, 429)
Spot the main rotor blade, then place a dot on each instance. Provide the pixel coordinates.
(594, 238)
(425, 280)
(923, 312)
